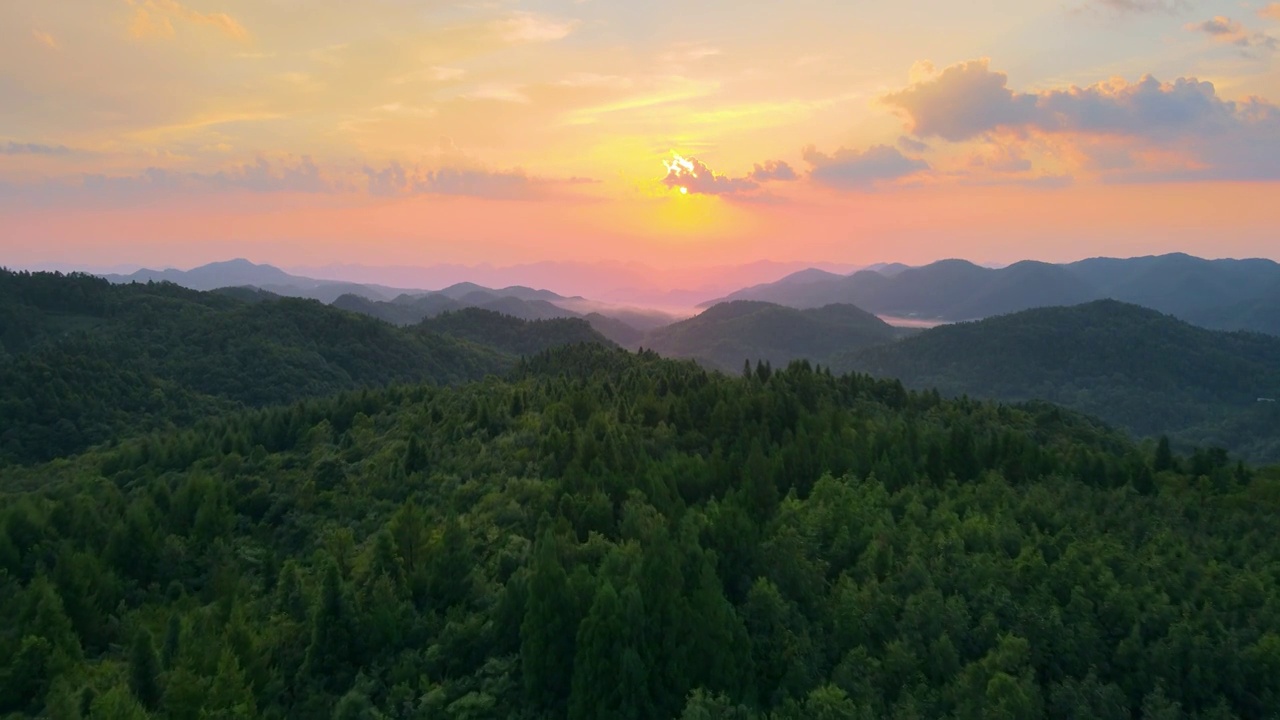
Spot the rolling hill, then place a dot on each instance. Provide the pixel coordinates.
(1218, 294)
(726, 335)
(509, 334)
(156, 354)
(1144, 371)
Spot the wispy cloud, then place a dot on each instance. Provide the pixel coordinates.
(155, 19)
(17, 148)
(397, 180)
(1225, 30)
(1167, 7)
(497, 92)
(533, 27)
(1271, 11)
(45, 39)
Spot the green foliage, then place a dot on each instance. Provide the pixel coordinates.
(726, 334)
(144, 671)
(607, 534)
(510, 334)
(84, 362)
(1145, 372)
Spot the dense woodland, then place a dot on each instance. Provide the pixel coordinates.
(1148, 373)
(602, 534)
(83, 362)
(725, 335)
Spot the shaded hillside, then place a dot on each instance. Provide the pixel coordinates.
(728, 334)
(82, 360)
(1220, 294)
(616, 330)
(785, 546)
(413, 309)
(510, 334)
(1261, 314)
(1147, 372)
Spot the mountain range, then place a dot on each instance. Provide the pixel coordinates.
(1219, 294)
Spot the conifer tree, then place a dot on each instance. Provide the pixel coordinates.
(597, 671)
(144, 670)
(548, 633)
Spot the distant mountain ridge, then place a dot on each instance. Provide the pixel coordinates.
(243, 273)
(1219, 294)
(399, 306)
(1142, 370)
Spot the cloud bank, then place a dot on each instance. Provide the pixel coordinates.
(1213, 137)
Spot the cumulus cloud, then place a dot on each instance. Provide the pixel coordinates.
(849, 169)
(1225, 30)
(17, 148)
(1214, 137)
(691, 175)
(772, 170)
(1271, 11)
(961, 102)
(155, 18)
(968, 100)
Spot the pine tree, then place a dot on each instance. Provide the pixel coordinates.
(229, 697)
(1164, 455)
(144, 670)
(172, 642)
(597, 671)
(332, 650)
(547, 635)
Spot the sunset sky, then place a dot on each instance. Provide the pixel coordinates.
(306, 132)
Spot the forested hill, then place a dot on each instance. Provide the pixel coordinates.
(726, 335)
(83, 361)
(1147, 372)
(511, 334)
(615, 536)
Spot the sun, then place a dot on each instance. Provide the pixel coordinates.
(684, 191)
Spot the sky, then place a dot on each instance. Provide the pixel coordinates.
(672, 133)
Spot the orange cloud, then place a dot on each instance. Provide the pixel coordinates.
(1225, 30)
(1271, 11)
(45, 39)
(154, 19)
(530, 27)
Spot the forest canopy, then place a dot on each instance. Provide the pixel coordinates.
(604, 534)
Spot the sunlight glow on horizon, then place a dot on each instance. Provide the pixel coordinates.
(475, 133)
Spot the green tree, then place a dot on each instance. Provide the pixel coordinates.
(548, 633)
(144, 670)
(230, 697)
(1164, 455)
(597, 671)
(332, 649)
(117, 704)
